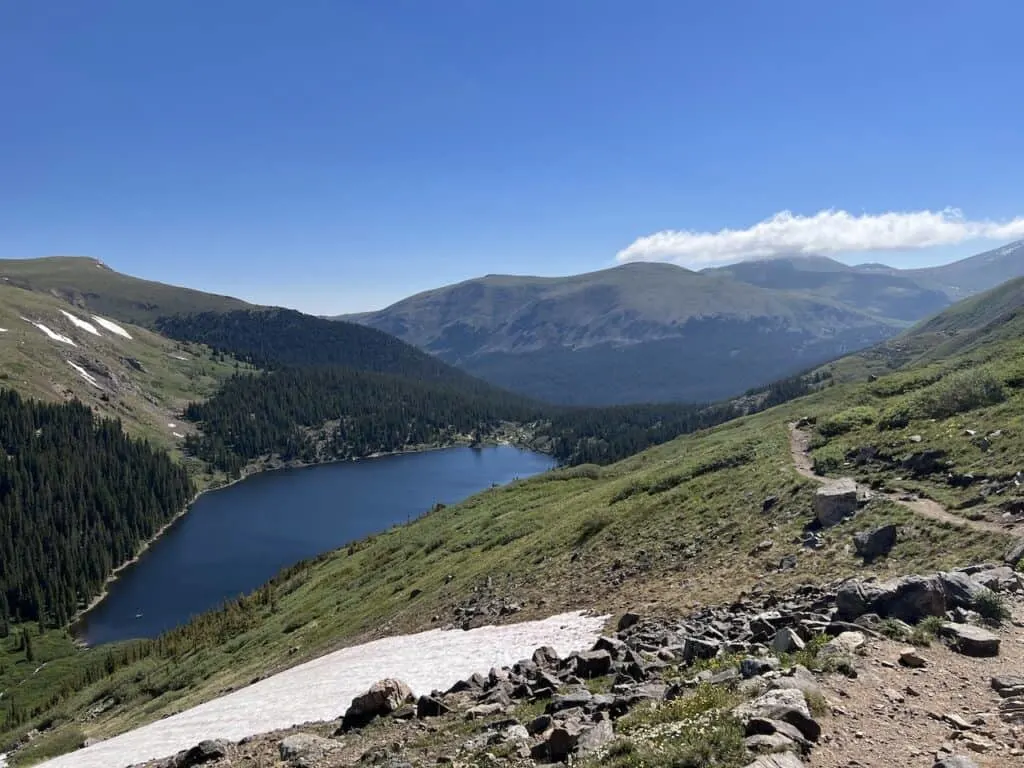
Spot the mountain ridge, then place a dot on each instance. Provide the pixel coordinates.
(648, 331)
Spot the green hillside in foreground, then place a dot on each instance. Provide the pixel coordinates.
(693, 521)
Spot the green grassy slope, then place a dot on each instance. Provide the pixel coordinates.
(90, 283)
(145, 381)
(676, 526)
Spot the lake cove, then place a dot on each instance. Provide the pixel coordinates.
(235, 539)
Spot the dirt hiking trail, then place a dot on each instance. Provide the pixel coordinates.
(799, 446)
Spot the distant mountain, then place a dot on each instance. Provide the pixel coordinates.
(974, 274)
(875, 289)
(89, 283)
(636, 333)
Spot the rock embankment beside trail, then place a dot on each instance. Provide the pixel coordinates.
(822, 677)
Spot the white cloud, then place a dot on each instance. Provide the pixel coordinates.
(824, 233)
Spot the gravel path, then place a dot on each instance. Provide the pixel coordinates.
(321, 689)
(799, 442)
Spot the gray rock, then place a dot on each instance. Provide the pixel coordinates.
(912, 658)
(304, 745)
(539, 724)
(787, 641)
(844, 644)
(382, 698)
(545, 657)
(970, 640)
(752, 666)
(999, 579)
(872, 545)
(962, 591)
(204, 752)
(955, 761)
(593, 663)
(909, 598)
(562, 740)
(697, 648)
(569, 700)
(1014, 553)
(428, 706)
(592, 739)
(787, 705)
(835, 501)
(483, 710)
(1008, 686)
(628, 619)
(798, 678)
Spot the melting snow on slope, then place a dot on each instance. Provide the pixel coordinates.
(2, 330)
(111, 326)
(322, 688)
(53, 335)
(171, 424)
(85, 374)
(177, 434)
(85, 325)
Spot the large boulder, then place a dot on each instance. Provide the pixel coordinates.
(962, 591)
(909, 598)
(835, 501)
(872, 545)
(383, 698)
(970, 640)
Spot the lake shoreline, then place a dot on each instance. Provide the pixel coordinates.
(261, 468)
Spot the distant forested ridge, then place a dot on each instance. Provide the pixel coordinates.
(335, 390)
(280, 338)
(317, 414)
(77, 498)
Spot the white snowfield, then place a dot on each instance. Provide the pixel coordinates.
(78, 322)
(52, 334)
(111, 326)
(3, 330)
(85, 374)
(322, 689)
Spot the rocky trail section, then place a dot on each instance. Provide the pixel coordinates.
(799, 442)
(823, 677)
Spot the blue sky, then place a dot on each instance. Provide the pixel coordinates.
(335, 156)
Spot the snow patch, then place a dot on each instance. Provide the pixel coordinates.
(78, 322)
(111, 326)
(52, 334)
(171, 424)
(322, 688)
(178, 434)
(85, 374)
(2, 330)
(180, 357)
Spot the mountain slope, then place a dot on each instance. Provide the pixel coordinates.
(56, 351)
(274, 338)
(640, 332)
(889, 294)
(89, 283)
(691, 522)
(976, 273)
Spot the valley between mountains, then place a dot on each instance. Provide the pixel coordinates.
(753, 566)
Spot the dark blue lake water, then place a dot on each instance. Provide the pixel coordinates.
(235, 539)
